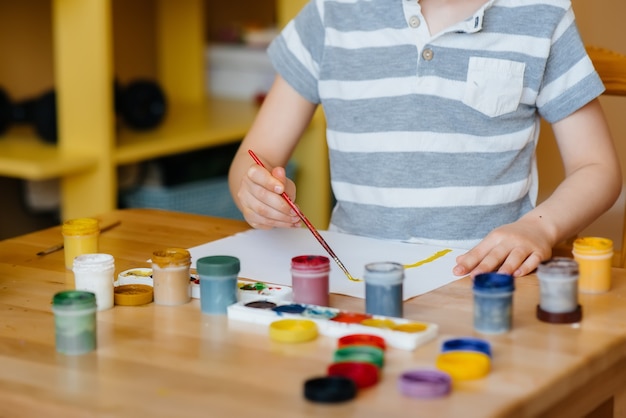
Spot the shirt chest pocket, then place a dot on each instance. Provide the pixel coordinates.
(494, 86)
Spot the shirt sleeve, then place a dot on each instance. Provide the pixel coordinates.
(297, 52)
(570, 80)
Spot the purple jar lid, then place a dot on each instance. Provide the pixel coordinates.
(425, 383)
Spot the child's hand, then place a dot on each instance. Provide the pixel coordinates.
(515, 249)
(263, 207)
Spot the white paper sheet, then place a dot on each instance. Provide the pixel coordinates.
(265, 256)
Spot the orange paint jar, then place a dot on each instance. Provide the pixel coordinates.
(80, 236)
(594, 256)
(171, 276)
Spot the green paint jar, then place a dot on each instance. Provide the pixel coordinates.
(74, 321)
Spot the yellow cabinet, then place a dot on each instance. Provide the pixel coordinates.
(90, 145)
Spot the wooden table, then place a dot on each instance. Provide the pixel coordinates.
(157, 361)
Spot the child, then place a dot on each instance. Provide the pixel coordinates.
(432, 111)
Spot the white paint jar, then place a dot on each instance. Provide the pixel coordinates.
(95, 273)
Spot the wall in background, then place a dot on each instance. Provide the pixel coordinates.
(600, 24)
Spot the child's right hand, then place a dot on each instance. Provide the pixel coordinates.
(261, 201)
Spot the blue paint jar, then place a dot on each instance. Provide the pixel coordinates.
(383, 288)
(218, 283)
(493, 303)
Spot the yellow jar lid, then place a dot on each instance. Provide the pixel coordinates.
(593, 245)
(80, 226)
(464, 365)
(133, 294)
(293, 330)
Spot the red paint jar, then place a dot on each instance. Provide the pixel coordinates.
(310, 279)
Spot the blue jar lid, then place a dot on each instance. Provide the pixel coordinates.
(218, 265)
(494, 282)
(466, 344)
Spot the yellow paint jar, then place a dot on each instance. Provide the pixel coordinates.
(80, 236)
(594, 256)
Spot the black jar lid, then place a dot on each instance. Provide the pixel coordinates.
(330, 389)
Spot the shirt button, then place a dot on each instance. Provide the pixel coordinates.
(414, 22)
(427, 54)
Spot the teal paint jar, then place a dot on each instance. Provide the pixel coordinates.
(74, 321)
(218, 283)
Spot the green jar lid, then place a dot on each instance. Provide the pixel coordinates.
(74, 299)
(360, 353)
(218, 265)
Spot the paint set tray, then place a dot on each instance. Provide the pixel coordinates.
(398, 332)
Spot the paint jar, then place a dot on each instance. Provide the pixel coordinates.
(493, 303)
(218, 283)
(80, 236)
(594, 256)
(558, 285)
(310, 279)
(171, 276)
(74, 321)
(383, 288)
(95, 273)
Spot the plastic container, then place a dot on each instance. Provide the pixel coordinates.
(74, 321)
(218, 283)
(493, 303)
(96, 273)
(558, 285)
(383, 289)
(80, 236)
(171, 276)
(594, 256)
(310, 279)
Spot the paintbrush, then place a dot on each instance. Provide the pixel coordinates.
(309, 225)
(60, 246)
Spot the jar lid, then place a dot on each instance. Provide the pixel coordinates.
(464, 365)
(74, 299)
(592, 245)
(466, 344)
(425, 383)
(171, 256)
(133, 294)
(310, 263)
(80, 226)
(361, 339)
(93, 262)
(293, 330)
(559, 266)
(385, 273)
(330, 389)
(218, 265)
(494, 282)
(363, 374)
(360, 353)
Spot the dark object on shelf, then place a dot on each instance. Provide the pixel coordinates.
(40, 112)
(141, 104)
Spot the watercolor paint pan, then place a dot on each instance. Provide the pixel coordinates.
(249, 290)
(399, 333)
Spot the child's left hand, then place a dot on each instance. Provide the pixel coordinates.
(515, 249)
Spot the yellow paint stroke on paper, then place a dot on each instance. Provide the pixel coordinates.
(427, 260)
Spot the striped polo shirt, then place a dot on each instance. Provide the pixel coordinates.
(432, 137)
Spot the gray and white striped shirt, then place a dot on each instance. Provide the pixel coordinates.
(432, 138)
